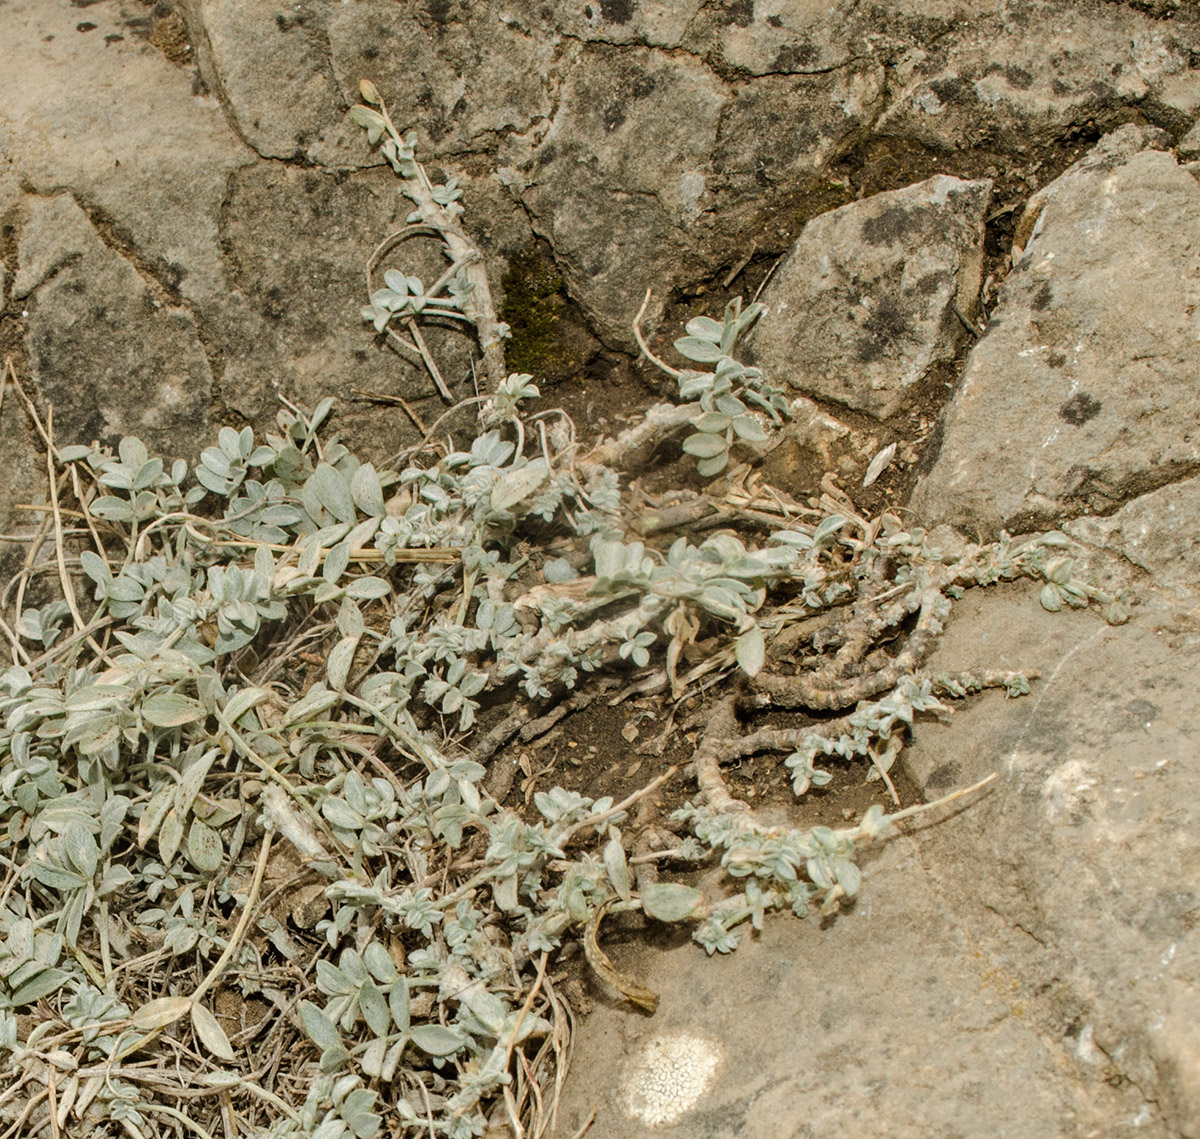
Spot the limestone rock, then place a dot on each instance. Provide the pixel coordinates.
(460, 74)
(656, 23)
(620, 169)
(888, 1021)
(107, 348)
(863, 307)
(1157, 533)
(1082, 393)
(1022, 73)
(281, 95)
(104, 115)
(1085, 856)
(799, 37)
(652, 168)
(1189, 146)
(291, 325)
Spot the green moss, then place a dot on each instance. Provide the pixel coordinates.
(549, 340)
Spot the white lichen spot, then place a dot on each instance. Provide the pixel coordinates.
(669, 1076)
(1065, 793)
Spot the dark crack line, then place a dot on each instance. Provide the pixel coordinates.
(108, 231)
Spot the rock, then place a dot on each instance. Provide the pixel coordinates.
(1020, 74)
(290, 323)
(282, 96)
(1081, 394)
(107, 347)
(864, 306)
(1188, 148)
(655, 23)
(74, 116)
(652, 169)
(889, 1020)
(1083, 860)
(258, 264)
(803, 37)
(460, 74)
(1156, 533)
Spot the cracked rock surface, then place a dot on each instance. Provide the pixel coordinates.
(864, 306)
(185, 214)
(1086, 376)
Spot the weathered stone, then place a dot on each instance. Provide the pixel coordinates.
(1085, 856)
(863, 307)
(1156, 533)
(299, 241)
(795, 37)
(106, 346)
(656, 23)
(460, 74)
(1082, 393)
(75, 114)
(1188, 148)
(1019, 74)
(282, 96)
(653, 168)
(889, 1020)
(620, 171)
(262, 262)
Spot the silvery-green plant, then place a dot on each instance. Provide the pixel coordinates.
(723, 393)
(250, 745)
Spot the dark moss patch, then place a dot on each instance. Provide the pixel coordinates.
(928, 285)
(795, 56)
(741, 13)
(1079, 409)
(954, 89)
(884, 327)
(889, 226)
(1018, 77)
(550, 340)
(617, 11)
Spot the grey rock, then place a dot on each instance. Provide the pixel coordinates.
(258, 262)
(1021, 74)
(863, 307)
(281, 96)
(460, 74)
(620, 170)
(799, 37)
(888, 1020)
(75, 114)
(1188, 148)
(653, 169)
(655, 23)
(1084, 858)
(1156, 533)
(1080, 395)
(290, 323)
(106, 346)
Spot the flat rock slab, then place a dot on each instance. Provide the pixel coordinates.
(107, 346)
(863, 307)
(890, 1021)
(1022, 72)
(1078, 872)
(651, 166)
(1083, 392)
(1156, 533)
